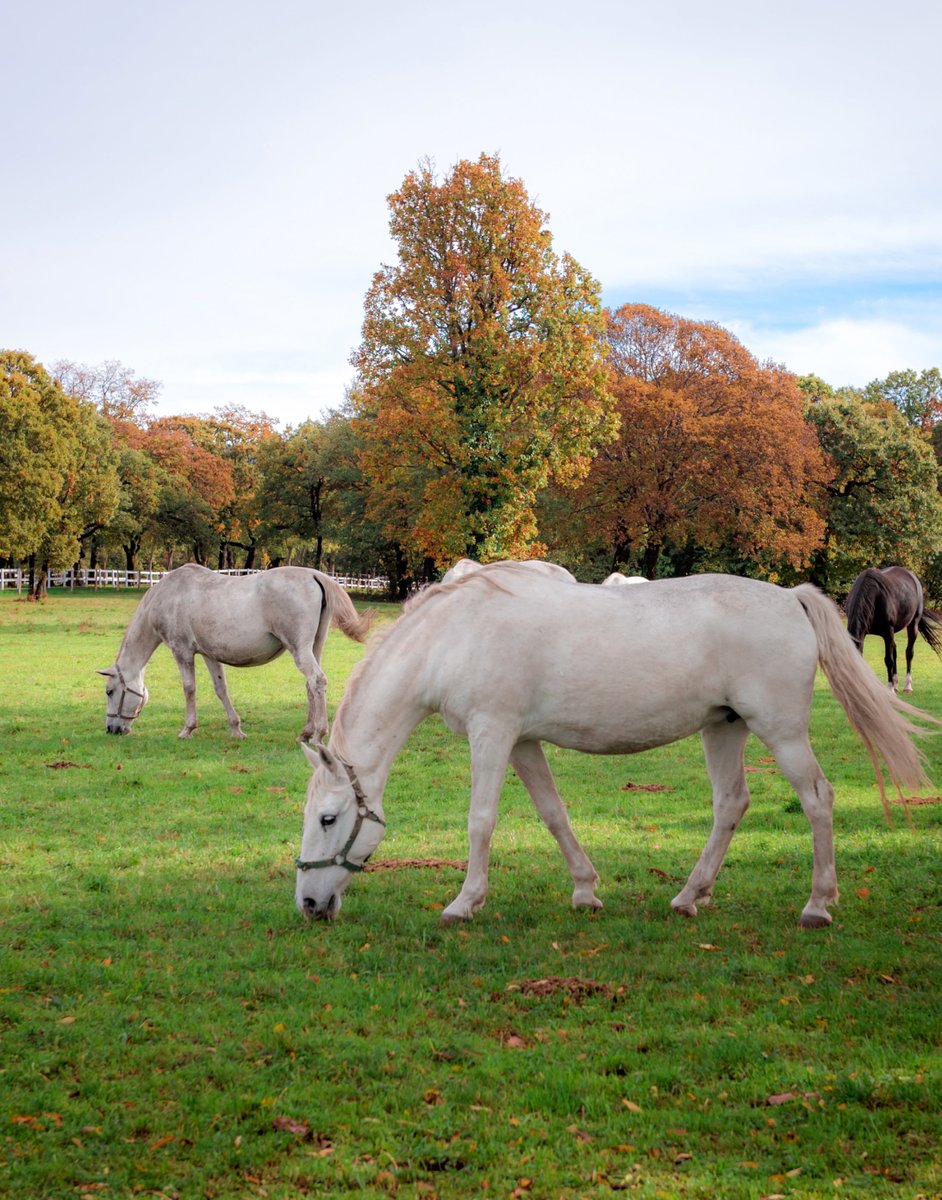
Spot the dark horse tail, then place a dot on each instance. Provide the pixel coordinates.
(930, 626)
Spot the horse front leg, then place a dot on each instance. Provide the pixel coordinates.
(188, 677)
(723, 746)
(529, 761)
(217, 674)
(489, 755)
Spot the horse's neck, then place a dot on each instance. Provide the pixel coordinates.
(371, 729)
(140, 642)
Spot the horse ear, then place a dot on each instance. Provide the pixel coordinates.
(316, 755)
(108, 673)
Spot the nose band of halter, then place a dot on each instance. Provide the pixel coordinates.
(364, 813)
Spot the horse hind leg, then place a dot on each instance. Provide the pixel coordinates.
(889, 658)
(816, 794)
(723, 746)
(218, 675)
(315, 729)
(529, 761)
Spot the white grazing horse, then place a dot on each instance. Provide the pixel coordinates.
(616, 579)
(510, 659)
(236, 620)
(465, 566)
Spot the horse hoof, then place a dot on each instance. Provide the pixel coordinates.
(685, 910)
(815, 920)
(448, 918)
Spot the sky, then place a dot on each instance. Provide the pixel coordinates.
(198, 188)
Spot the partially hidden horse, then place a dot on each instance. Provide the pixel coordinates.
(465, 566)
(239, 621)
(885, 601)
(616, 579)
(511, 659)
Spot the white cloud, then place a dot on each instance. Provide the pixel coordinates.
(845, 351)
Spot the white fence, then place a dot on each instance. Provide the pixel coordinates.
(17, 578)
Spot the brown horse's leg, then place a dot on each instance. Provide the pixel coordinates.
(889, 658)
(911, 632)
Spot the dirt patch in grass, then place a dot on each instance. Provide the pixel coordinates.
(405, 864)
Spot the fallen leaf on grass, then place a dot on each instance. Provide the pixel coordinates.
(707, 946)
(917, 800)
(58, 766)
(645, 787)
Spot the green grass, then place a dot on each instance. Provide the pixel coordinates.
(169, 1026)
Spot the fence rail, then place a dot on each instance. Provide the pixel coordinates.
(16, 577)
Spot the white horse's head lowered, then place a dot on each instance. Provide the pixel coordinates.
(124, 699)
(341, 831)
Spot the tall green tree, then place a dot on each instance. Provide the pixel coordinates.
(57, 468)
(303, 479)
(883, 503)
(917, 395)
(480, 370)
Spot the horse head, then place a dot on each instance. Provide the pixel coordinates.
(340, 833)
(124, 699)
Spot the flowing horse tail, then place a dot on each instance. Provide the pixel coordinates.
(930, 626)
(340, 608)
(877, 714)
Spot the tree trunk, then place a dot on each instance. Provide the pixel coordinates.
(652, 553)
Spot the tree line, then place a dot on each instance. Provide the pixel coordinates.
(497, 410)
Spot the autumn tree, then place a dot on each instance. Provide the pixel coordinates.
(115, 390)
(713, 452)
(126, 402)
(480, 375)
(236, 436)
(883, 503)
(197, 486)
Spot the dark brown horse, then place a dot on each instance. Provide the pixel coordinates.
(883, 602)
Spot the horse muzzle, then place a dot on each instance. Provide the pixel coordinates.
(319, 910)
(111, 727)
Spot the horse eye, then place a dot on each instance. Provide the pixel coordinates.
(109, 691)
(328, 819)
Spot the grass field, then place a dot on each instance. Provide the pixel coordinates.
(170, 1027)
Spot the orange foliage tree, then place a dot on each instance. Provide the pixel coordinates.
(714, 450)
(480, 373)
